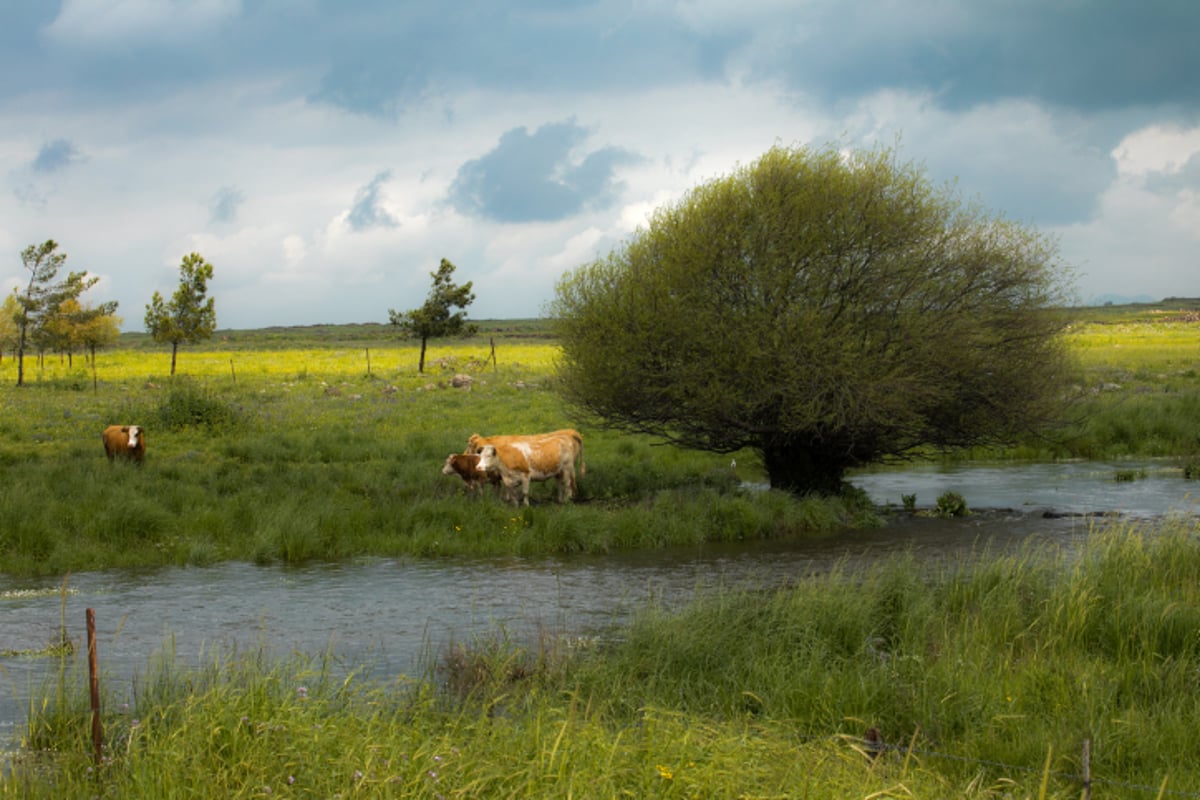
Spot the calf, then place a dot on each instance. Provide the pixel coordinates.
(466, 466)
(125, 441)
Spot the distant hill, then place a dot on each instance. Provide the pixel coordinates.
(1120, 300)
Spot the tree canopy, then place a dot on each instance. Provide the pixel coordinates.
(191, 315)
(48, 307)
(826, 310)
(434, 319)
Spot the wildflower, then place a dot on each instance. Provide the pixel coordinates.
(358, 775)
(302, 692)
(665, 773)
(291, 779)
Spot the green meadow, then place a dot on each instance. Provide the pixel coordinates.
(304, 449)
(321, 443)
(298, 445)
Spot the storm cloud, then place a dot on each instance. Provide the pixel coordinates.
(353, 145)
(538, 177)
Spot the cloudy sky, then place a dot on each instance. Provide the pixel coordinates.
(324, 155)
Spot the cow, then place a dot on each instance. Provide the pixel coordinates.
(533, 458)
(571, 438)
(466, 466)
(126, 441)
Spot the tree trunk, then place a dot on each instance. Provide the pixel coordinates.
(796, 466)
(21, 358)
(174, 351)
(421, 363)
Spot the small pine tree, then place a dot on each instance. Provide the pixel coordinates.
(434, 319)
(190, 316)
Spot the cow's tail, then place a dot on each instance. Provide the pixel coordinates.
(582, 465)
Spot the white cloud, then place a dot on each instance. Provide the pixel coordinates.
(106, 23)
(1157, 148)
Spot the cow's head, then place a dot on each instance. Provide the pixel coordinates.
(134, 432)
(488, 460)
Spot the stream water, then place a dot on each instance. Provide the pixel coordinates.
(395, 615)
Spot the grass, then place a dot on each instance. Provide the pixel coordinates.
(1138, 388)
(297, 455)
(983, 683)
(292, 445)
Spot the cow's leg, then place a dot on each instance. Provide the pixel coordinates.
(513, 490)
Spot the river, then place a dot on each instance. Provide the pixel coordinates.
(394, 614)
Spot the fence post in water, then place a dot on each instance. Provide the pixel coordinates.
(97, 729)
(492, 339)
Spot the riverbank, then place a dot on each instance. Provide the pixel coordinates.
(981, 683)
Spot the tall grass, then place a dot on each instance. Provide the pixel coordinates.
(994, 675)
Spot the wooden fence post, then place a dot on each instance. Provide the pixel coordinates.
(97, 728)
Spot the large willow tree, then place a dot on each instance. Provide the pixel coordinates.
(827, 310)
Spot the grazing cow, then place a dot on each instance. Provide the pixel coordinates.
(126, 441)
(568, 437)
(466, 466)
(533, 459)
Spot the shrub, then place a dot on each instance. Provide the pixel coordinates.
(951, 504)
(188, 405)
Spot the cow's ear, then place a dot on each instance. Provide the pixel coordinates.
(124, 429)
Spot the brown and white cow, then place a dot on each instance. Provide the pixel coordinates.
(519, 460)
(568, 437)
(125, 441)
(466, 466)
